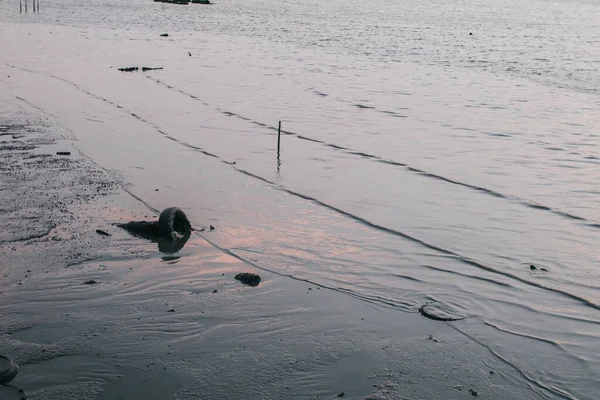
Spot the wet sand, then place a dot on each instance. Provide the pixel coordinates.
(155, 326)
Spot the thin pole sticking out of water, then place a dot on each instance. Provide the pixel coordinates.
(20, 6)
(25, 5)
(278, 138)
(33, 5)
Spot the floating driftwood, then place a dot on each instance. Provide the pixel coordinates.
(133, 69)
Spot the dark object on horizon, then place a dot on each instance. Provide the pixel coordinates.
(248, 278)
(164, 35)
(101, 232)
(171, 231)
(532, 267)
(470, 33)
(201, 1)
(8, 369)
(63, 153)
(90, 282)
(151, 68)
(128, 69)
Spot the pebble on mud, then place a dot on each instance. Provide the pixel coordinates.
(164, 35)
(341, 394)
(532, 267)
(473, 392)
(248, 278)
(101, 232)
(63, 153)
(90, 282)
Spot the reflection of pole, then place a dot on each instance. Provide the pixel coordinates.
(38, 7)
(278, 138)
(33, 5)
(25, 5)
(20, 6)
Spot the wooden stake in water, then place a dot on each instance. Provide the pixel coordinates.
(278, 138)
(25, 5)
(20, 6)
(33, 5)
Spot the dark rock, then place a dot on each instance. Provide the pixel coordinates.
(151, 68)
(101, 232)
(171, 310)
(90, 282)
(63, 153)
(171, 231)
(164, 35)
(532, 267)
(128, 69)
(212, 228)
(341, 394)
(190, 54)
(473, 392)
(8, 370)
(215, 291)
(543, 269)
(248, 278)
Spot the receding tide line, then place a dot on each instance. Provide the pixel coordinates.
(558, 392)
(339, 210)
(423, 173)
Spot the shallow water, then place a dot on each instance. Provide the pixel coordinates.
(419, 163)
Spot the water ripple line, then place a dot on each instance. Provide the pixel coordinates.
(376, 158)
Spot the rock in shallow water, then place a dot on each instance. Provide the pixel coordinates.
(8, 370)
(248, 278)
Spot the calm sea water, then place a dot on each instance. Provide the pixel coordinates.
(432, 151)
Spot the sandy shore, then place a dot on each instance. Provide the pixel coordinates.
(158, 326)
